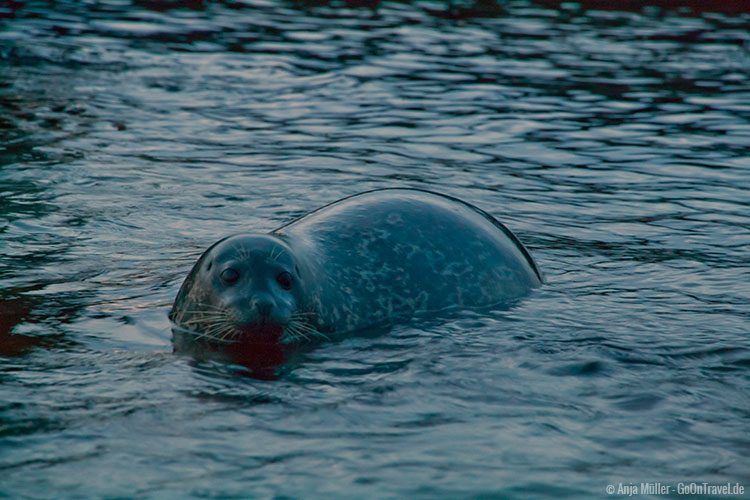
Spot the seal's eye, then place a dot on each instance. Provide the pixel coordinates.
(285, 280)
(229, 275)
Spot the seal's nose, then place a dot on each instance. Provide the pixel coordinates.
(264, 307)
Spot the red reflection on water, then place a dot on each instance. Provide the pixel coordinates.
(13, 312)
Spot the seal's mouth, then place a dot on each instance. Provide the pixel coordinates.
(261, 332)
(257, 346)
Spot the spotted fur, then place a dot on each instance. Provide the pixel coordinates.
(378, 257)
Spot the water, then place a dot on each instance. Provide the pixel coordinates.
(614, 143)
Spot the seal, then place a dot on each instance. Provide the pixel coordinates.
(365, 261)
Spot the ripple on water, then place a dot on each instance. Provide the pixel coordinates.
(612, 140)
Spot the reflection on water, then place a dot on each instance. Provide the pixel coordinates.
(613, 141)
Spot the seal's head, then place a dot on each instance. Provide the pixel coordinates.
(245, 289)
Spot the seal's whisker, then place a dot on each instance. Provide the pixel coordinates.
(204, 306)
(303, 334)
(303, 324)
(306, 325)
(203, 321)
(197, 322)
(228, 334)
(205, 313)
(304, 313)
(207, 317)
(319, 334)
(304, 330)
(214, 330)
(297, 334)
(213, 337)
(288, 337)
(193, 333)
(209, 333)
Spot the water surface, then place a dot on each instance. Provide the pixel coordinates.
(614, 143)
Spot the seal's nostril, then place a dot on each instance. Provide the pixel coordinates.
(264, 308)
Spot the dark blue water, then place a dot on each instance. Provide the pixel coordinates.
(615, 143)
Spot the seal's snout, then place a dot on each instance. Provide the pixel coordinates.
(264, 308)
(260, 320)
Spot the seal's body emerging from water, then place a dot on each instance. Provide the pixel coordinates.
(367, 260)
